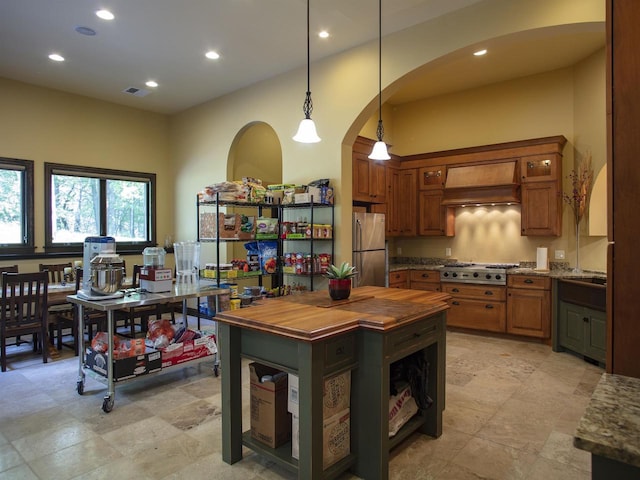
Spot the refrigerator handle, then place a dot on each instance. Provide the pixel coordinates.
(358, 235)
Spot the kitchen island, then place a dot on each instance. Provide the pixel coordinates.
(314, 337)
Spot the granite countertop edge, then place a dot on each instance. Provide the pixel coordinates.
(553, 273)
(610, 426)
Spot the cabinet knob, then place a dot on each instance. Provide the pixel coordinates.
(585, 319)
(455, 290)
(455, 303)
(488, 292)
(425, 275)
(528, 280)
(488, 306)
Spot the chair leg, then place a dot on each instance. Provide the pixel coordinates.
(3, 354)
(44, 342)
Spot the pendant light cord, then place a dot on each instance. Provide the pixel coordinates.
(380, 130)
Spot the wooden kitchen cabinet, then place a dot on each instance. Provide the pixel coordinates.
(369, 180)
(399, 279)
(425, 280)
(433, 218)
(477, 307)
(401, 202)
(541, 168)
(529, 305)
(542, 209)
(432, 178)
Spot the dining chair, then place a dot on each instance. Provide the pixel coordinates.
(24, 311)
(9, 268)
(57, 275)
(56, 271)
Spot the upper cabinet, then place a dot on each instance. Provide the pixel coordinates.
(432, 178)
(541, 177)
(369, 177)
(422, 191)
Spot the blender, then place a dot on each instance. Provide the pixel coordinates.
(187, 262)
(153, 276)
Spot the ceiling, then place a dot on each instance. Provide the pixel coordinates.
(165, 40)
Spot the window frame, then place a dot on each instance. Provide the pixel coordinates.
(28, 244)
(102, 174)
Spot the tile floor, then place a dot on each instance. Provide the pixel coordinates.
(511, 411)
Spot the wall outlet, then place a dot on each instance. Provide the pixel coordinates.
(399, 251)
(447, 252)
(559, 254)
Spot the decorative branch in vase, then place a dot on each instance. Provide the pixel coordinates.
(578, 198)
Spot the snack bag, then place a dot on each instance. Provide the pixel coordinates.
(268, 256)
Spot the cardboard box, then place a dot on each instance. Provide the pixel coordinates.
(156, 279)
(295, 436)
(177, 353)
(336, 438)
(293, 403)
(337, 394)
(125, 368)
(270, 421)
(237, 226)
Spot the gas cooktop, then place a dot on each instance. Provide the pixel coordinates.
(480, 273)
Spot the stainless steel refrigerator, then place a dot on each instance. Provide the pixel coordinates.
(369, 252)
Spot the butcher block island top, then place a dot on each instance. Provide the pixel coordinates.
(314, 316)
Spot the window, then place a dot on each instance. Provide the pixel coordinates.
(81, 202)
(16, 206)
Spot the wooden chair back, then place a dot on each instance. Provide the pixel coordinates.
(9, 268)
(56, 271)
(24, 309)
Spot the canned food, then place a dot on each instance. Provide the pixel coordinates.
(235, 303)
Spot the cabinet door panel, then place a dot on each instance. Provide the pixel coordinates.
(571, 327)
(541, 209)
(407, 202)
(361, 177)
(528, 312)
(596, 336)
(377, 181)
(432, 213)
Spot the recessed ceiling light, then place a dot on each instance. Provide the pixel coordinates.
(323, 34)
(82, 30)
(479, 53)
(152, 84)
(212, 55)
(105, 14)
(56, 57)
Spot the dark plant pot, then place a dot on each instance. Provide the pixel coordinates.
(339, 289)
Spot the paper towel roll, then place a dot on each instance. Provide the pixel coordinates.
(542, 259)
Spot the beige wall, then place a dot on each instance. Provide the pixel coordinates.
(345, 97)
(50, 126)
(569, 102)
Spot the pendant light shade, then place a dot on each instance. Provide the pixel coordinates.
(307, 129)
(379, 151)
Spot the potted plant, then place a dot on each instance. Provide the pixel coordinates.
(340, 280)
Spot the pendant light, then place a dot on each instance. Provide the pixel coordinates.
(307, 129)
(379, 151)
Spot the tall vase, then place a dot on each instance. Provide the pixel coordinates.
(577, 269)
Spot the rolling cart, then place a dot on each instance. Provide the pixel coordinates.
(180, 292)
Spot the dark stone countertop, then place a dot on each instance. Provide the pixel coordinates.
(610, 426)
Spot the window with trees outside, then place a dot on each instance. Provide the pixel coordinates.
(82, 201)
(16, 206)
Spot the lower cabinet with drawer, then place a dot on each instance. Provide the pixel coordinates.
(529, 305)
(399, 279)
(478, 307)
(425, 280)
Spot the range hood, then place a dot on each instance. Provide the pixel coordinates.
(489, 183)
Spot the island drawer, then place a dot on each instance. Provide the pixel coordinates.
(411, 338)
(339, 352)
